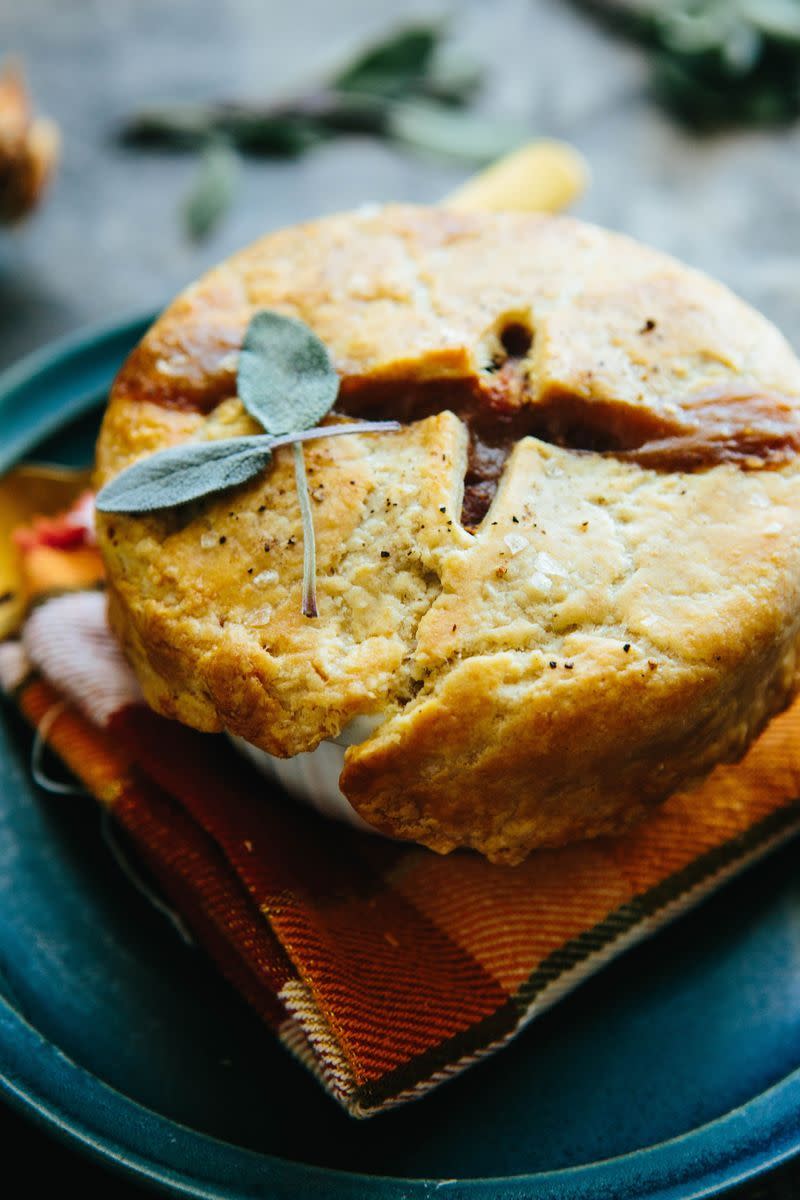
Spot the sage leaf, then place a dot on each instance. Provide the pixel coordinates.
(197, 469)
(396, 66)
(453, 78)
(285, 379)
(183, 473)
(212, 191)
(447, 132)
(696, 32)
(287, 382)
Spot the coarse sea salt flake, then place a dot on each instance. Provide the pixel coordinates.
(175, 366)
(208, 539)
(229, 361)
(265, 577)
(541, 583)
(775, 527)
(548, 565)
(515, 542)
(261, 616)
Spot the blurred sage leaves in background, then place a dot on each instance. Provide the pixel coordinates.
(718, 63)
(212, 190)
(410, 88)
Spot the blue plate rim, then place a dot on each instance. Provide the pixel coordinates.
(659, 1172)
(35, 1073)
(16, 379)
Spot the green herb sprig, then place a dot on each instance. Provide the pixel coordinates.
(408, 88)
(718, 62)
(287, 383)
(213, 189)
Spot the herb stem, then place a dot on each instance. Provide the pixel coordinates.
(309, 604)
(321, 431)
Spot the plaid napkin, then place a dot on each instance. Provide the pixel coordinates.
(384, 968)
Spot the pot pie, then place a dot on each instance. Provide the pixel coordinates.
(567, 587)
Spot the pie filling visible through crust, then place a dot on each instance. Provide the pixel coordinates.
(713, 427)
(588, 593)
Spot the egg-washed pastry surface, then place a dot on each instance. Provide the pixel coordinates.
(569, 585)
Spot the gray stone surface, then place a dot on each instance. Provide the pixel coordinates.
(109, 239)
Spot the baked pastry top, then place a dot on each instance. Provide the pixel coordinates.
(567, 587)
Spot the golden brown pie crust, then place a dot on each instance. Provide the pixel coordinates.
(623, 617)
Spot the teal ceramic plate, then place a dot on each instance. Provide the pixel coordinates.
(673, 1073)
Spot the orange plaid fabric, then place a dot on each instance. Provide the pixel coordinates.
(383, 967)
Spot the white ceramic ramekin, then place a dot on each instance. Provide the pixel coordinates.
(313, 778)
